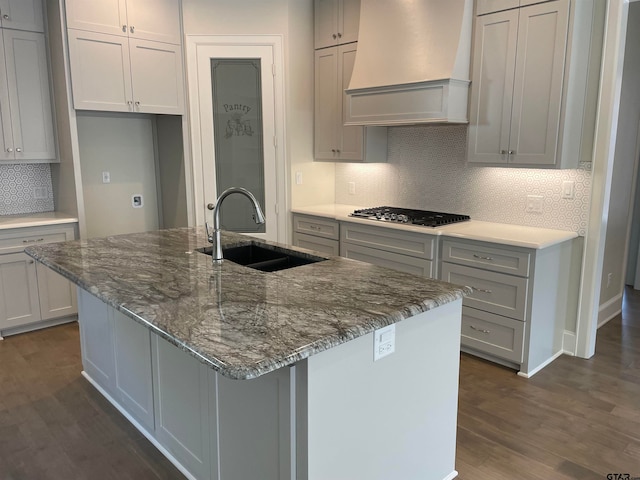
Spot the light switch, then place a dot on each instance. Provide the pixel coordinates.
(106, 177)
(567, 189)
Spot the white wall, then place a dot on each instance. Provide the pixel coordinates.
(293, 19)
(121, 144)
(623, 170)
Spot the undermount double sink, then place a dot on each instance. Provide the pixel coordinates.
(266, 258)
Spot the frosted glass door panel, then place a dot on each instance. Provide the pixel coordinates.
(239, 142)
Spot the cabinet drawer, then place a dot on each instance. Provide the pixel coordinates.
(492, 334)
(17, 239)
(402, 263)
(490, 258)
(319, 244)
(320, 227)
(389, 239)
(493, 292)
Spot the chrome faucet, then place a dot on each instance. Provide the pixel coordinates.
(214, 237)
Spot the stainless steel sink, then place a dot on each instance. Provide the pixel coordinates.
(266, 258)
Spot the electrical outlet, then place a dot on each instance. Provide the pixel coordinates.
(352, 188)
(534, 203)
(137, 201)
(567, 189)
(384, 342)
(106, 177)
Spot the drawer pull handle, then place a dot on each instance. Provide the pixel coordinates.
(314, 227)
(482, 257)
(33, 241)
(481, 330)
(481, 290)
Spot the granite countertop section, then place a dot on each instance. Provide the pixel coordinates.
(35, 220)
(501, 233)
(241, 322)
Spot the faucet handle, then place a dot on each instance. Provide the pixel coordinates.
(209, 232)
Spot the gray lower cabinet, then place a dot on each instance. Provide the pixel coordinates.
(519, 303)
(409, 252)
(316, 233)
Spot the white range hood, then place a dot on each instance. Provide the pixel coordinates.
(412, 63)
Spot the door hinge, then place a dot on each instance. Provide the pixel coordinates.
(277, 209)
(275, 141)
(273, 69)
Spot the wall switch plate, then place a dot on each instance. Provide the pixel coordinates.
(352, 188)
(298, 178)
(384, 342)
(137, 201)
(567, 189)
(534, 203)
(106, 177)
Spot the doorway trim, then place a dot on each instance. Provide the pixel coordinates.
(275, 42)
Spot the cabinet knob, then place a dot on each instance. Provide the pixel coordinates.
(339, 35)
(10, 150)
(333, 150)
(18, 149)
(334, 36)
(512, 152)
(137, 105)
(31, 262)
(132, 29)
(338, 150)
(124, 28)
(130, 104)
(503, 152)
(6, 17)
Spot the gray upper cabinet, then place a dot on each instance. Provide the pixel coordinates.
(22, 15)
(534, 84)
(25, 101)
(336, 22)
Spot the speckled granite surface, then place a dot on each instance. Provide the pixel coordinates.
(241, 322)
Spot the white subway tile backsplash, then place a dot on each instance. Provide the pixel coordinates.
(18, 185)
(427, 169)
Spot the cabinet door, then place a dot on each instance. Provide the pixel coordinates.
(156, 75)
(6, 137)
(57, 294)
(491, 6)
(542, 42)
(326, 23)
(22, 15)
(318, 244)
(156, 20)
(350, 146)
(29, 97)
(492, 87)
(19, 289)
(133, 374)
(105, 16)
(100, 72)
(327, 105)
(348, 21)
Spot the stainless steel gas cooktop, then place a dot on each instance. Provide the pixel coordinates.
(424, 218)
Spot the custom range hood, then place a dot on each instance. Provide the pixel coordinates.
(412, 63)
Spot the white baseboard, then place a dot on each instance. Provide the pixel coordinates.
(609, 309)
(569, 343)
(451, 476)
(531, 373)
(38, 325)
(140, 428)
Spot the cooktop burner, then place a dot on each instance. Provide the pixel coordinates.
(404, 215)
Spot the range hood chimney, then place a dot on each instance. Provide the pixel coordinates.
(412, 63)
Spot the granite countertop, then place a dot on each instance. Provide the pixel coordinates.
(241, 322)
(35, 220)
(501, 233)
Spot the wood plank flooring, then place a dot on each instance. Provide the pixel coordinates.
(577, 419)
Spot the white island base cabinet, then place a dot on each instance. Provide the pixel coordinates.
(337, 414)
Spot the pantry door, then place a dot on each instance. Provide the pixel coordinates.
(236, 118)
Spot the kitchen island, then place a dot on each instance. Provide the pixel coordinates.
(235, 373)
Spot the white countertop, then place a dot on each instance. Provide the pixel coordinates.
(502, 233)
(35, 220)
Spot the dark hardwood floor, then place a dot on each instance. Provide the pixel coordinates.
(576, 419)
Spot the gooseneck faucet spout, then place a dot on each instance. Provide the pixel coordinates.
(214, 237)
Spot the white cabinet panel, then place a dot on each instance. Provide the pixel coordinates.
(96, 337)
(105, 16)
(57, 294)
(28, 114)
(336, 22)
(156, 20)
(19, 290)
(327, 108)
(156, 75)
(133, 379)
(22, 15)
(181, 404)
(490, 6)
(100, 72)
(350, 138)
